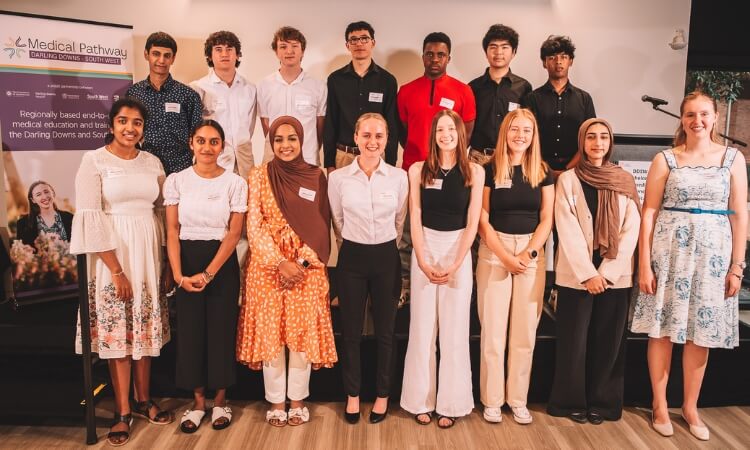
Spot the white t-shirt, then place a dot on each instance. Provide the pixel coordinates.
(304, 99)
(205, 204)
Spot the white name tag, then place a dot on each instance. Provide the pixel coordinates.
(376, 97)
(307, 194)
(436, 184)
(507, 184)
(213, 196)
(302, 100)
(114, 172)
(172, 107)
(388, 195)
(447, 103)
(513, 106)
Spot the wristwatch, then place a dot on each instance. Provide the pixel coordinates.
(303, 262)
(533, 253)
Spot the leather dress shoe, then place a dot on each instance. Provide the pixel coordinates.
(378, 417)
(351, 418)
(578, 417)
(595, 418)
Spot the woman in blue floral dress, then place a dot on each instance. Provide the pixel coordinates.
(692, 249)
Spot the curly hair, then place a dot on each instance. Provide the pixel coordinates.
(288, 34)
(222, 38)
(557, 44)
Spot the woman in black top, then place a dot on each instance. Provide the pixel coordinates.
(43, 215)
(516, 219)
(445, 201)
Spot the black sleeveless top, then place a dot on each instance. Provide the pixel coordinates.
(445, 209)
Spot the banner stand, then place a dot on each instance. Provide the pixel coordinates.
(88, 385)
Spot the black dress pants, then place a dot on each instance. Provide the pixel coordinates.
(590, 356)
(207, 320)
(363, 270)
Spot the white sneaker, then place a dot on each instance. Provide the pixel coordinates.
(521, 415)
(493, 415)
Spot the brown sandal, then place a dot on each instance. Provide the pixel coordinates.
(450, 424)
(113, 437)
(426, 422)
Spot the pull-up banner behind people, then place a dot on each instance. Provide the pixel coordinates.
(58, 79)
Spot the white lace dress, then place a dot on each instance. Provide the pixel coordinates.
(115, 210)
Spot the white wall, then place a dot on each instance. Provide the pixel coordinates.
(622, 50)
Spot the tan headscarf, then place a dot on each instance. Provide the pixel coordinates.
(609, 179)
(310, 219)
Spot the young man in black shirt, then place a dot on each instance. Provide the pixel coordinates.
(497, 92)
(560, 108)
(357, 88)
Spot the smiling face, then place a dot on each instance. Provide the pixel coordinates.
(446, 134)
(224, 57)
(290, 53)
(596, 143)
(371, 138)
(520, 134)
(127, 127)
(698, 117)
(499, 54)
(435, 58)
(207, 145)
(160, 60)
(286, 145)
(43, 196)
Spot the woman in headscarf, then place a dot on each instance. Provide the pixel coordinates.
(597, 214)
(286, 288)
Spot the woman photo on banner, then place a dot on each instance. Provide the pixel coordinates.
(44, 216)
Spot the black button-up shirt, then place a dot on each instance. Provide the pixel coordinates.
(559, 117)
(173, 111)
(492, 101)
(350, 96)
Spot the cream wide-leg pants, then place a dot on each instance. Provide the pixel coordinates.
(275, 379)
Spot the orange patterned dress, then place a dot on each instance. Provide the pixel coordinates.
(272, 317)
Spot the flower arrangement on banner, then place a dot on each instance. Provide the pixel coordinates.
(50, 266)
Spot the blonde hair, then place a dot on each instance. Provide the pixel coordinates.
(680, 137)
(370, 115)
(432, 163)
(534, 169)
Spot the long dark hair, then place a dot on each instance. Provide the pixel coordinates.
(125, 102)
(34, 210)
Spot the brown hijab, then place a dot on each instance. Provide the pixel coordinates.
(301, 192)
(609, 179)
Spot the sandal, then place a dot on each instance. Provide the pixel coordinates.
(221, 417)
(113, 437)
(191, 420)
(298, 416)
(425, 422)
(276, 417)
(452, 421)
(143, 409)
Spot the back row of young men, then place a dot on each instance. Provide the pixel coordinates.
(329, 112)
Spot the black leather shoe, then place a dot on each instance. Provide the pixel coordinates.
(578, 417)
(595, 418)
(351, 418)
(378, 417)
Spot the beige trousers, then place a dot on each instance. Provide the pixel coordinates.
(509, 310)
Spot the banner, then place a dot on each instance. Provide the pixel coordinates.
(58, 79)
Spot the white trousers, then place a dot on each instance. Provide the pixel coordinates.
(275, 379)
(444, 308)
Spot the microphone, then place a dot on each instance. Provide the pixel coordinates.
(654, 101)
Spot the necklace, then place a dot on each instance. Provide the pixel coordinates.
(127, 158)
(446, 172)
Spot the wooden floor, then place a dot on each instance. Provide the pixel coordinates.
(730, 429)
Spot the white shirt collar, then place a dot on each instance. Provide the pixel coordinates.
(299, 78)
(354, 167)
(215, 78)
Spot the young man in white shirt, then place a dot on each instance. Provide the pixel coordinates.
(292, 92)
(229, 99)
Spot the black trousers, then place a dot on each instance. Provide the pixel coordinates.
(207, 320)
(373, 270)
(590, 357)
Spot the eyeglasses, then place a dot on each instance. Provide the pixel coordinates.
(354, 40)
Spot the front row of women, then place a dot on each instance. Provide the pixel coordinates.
(689, 279)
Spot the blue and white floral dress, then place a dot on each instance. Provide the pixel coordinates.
(691, 254)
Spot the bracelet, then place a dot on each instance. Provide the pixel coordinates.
(737, 275)
(179, 285)
(207, 276)
(119, 274)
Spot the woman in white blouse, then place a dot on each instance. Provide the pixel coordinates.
(368, 202)
(115, 225)
(206, 205)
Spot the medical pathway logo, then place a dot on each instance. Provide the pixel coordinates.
(14, 48)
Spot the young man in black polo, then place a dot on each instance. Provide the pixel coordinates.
(497, 92)
(357, 88)
(560, 108)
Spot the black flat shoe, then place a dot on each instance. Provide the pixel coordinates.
(578, 417)
(378, 417)
(595, 418)
(351, 418)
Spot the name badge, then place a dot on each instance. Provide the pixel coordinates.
(114, 172)
(376, 97)
(302, 100)
(447, 103)
(436, 184)
(172, 107)
(513, 106)
(213, 196)
(507, 184)
(388, 195)
(307, 194)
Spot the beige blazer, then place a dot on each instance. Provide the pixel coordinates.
(575, 230)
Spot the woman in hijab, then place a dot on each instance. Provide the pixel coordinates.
(286, 301)
(597, 214)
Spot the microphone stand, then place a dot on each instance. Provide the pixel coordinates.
(731, 139)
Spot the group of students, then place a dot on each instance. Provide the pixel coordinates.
(145, 232)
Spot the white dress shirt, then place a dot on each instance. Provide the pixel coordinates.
(368, 211)
(234, 108)
(304, 99)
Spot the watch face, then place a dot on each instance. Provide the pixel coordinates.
(534, 253)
